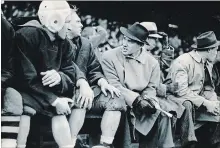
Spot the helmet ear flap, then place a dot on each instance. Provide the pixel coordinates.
(53, 14)
(55, 22)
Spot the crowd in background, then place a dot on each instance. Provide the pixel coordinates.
(180, 43)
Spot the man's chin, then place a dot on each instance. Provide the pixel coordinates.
(71, 36)
(125, 53)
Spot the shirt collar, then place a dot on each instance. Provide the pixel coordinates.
(77, 41)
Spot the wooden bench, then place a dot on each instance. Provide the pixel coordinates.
(41, 134)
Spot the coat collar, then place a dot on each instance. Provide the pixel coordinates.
(196, 56)
(78, 42)
(198, 59)
(141, 58)
(35, 23)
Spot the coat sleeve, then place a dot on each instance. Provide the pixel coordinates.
(69, 71)
(179, 77)
(26, 44)
(216, 78)
(8, 35)
(94, 69)
(112, 77)
(150, 90)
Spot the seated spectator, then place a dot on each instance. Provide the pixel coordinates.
(165, 58)
(136, 73)
(11, 99)
(46, 71)
(191, 75)
(216, 74)
(106, 97)
(154, 46)
(98, 37)
(216, 79)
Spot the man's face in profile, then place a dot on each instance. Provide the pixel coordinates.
(75, 26)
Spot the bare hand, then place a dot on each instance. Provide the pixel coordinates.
(62, 106)
(105, 86)
(212, 107)
(86, 95)
(51, 78)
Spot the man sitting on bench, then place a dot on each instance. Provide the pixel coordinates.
(107, 98)
(136, 73)
(45, 58)
(11, 98)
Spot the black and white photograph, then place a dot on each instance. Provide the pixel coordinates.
(110, 74)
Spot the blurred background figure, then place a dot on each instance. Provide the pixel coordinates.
(159, 47)
(98, 36)
(155, 46)
(174, 39)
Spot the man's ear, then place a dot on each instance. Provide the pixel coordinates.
(209, 50)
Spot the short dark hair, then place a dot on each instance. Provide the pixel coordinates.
(73, 8)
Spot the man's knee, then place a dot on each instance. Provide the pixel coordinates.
(164, 120)
(188, 113)
(59, 122)
(29, 111)
(12, 102)
(116, 104)
(188, 105)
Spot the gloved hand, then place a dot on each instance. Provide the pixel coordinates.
(144, 106)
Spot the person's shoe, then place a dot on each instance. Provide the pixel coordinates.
(191, 144)
(103, 145)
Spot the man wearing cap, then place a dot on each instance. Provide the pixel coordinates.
(216, 80)
(165, 57)
(155, 46)
(45, 57)
(136, 73)
(191, 73)
(107, 98)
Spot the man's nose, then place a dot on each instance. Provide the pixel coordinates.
(124, 43)
(81, 25)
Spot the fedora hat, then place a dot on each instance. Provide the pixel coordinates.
(206, 40)
(136, 32)
(152, 28)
